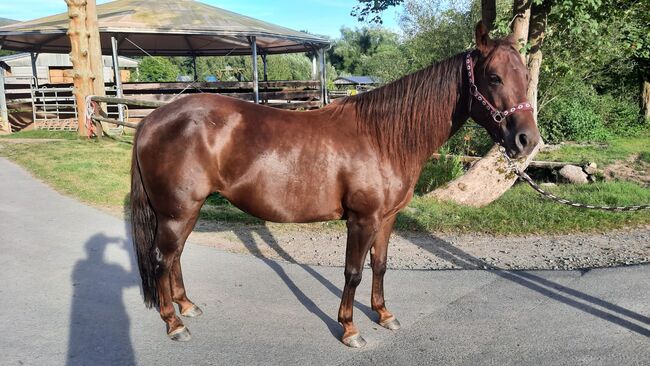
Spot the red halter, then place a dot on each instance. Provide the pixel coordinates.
(497, 115)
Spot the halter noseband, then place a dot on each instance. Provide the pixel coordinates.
(497, 115)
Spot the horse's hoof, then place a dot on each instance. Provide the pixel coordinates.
(192, 312)
(355, 341)
(181, 334)
(391, 323)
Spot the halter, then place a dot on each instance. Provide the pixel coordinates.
(497, 115)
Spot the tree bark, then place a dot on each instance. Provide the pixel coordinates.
(521, 22)
(490, 177)
(95, 58)
(488, 13)
(536, 34)
(83, 57)
(645, 99)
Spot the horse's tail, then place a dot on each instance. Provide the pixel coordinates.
(143, 221)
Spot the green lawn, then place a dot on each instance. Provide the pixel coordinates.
(97, 172)
(617, 148)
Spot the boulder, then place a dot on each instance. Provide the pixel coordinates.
(574, 174)
(591, 168)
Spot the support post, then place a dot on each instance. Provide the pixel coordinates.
(323, 76)
(266, 75)
(34, 57)
(196, 74)
(256, 86)
(4, 115)
(314, 67)
(118, 79)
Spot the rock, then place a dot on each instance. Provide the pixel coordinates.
(548, 185)
(591, 168)
(574, 174)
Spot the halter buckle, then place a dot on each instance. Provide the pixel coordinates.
(473, 90)
(498, 116)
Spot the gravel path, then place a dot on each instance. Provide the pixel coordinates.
(413, 250)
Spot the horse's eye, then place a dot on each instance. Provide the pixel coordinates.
(494, 79)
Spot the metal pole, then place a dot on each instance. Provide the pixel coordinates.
(314, 68)
(323, 79)
(266, 77)
(34, 56)
(4, 116)
(196, 75)
(256, 86)
(118, 79)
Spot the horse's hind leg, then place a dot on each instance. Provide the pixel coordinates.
(378, 254)
(179, 296)
(170, 239)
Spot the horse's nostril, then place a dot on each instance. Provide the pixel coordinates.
(522, 140)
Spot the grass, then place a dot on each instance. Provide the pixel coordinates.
(97, 172)
(42, 134)
(617, 148)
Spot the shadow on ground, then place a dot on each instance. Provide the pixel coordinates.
(444, 250)
(100, 326)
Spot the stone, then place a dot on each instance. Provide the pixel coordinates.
(548, 185)
(591, 168)
(574, 174)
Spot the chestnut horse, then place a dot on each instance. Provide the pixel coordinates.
(356, 160)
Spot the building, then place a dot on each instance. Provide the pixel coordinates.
(360, 83)
(53, 68)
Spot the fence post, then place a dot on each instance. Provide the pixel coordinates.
(4, 115)
(256, 86)
(118, 79)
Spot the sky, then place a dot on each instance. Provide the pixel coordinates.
(324, 17)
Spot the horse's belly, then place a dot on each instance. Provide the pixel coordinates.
(285, 205)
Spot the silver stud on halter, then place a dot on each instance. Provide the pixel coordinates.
(497, 115)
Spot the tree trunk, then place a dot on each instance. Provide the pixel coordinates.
(490, 178)
(536, 38)
(520, 22)
(645, 99)
(488, 13)
(95, 58)
(82, 56)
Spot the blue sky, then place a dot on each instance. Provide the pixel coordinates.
(317, 16)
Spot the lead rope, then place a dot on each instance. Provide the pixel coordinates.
(525, 177)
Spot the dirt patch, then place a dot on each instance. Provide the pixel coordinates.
(632, 169)
(414, 250)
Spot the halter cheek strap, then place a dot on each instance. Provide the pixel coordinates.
(497, 115)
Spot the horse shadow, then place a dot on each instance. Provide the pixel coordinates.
(246, 234)
(587, 303)
(99, 324)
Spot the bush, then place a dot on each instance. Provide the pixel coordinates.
(470, 140)
(572, 115)
(621, 115)
(438, 172)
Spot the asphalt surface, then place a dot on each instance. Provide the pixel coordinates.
(69, 295)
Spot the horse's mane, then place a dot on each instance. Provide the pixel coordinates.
(411, 115)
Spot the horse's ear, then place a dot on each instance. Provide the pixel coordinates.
(483, 41)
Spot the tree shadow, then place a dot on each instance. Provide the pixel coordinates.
(99, 325)
(550, 289)
(245, 233)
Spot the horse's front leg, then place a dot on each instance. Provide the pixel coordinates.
(361, 234)
(378, 255)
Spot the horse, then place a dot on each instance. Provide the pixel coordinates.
(356, 160)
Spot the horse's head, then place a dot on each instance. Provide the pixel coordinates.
(498, 85)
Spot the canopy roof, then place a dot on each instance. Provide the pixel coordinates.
(163, 27)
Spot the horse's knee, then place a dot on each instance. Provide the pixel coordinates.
(353, 277)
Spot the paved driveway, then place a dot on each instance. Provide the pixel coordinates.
(69, 295)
